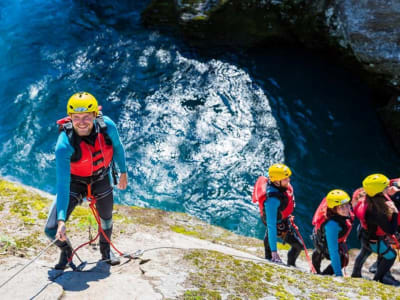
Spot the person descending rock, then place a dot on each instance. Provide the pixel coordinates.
(332, 222)
(276, 202)
(87, 145)
(379, 220)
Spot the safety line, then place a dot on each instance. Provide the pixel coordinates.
(31, 261)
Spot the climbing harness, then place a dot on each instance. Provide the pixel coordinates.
(291, 218)
(92, 204)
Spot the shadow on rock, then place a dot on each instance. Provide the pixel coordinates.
(79, 281)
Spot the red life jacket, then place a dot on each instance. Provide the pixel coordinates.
(89, 160)
(360, 210)
(320, 218)
(260, 196)
(395, 182)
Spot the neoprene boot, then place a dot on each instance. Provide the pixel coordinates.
(66, 252)
(384, 267)
(293, 253)
(106, 254)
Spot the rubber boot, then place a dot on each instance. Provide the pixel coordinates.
(66, 252)
(384, 267)
(106, 254)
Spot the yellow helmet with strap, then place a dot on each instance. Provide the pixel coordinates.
(82, 102)
(277, 172)
(375, 184)
(336, 198)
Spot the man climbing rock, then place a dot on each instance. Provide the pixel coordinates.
(87, 146)
(276, 202)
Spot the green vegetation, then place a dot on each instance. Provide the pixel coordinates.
(250, 280)
(201, 294)
(213, 275)
(183, 230)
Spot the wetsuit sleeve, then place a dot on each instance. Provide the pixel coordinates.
(118, 148)
(271, 209)
(63, 173)
(332, 230)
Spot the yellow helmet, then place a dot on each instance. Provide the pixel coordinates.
(336, 198)
(277, 172)
(375, 183)
(82, 102)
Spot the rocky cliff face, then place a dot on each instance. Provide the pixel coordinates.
(181, 257)
(363, 35)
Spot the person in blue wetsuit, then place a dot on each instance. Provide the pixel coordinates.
(332, 224)
(278, 206)
(86, 148)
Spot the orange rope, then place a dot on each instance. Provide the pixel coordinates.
(92, 203)
(304, 245)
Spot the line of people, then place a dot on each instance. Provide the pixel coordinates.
(375, 204)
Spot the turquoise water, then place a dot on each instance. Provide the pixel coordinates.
(198, 127)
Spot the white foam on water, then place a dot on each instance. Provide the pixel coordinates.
(205, 128)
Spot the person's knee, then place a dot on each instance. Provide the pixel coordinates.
(50, 233)
(390, 255)
(106, 224)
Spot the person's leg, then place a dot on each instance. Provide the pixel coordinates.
(293, 240)
(103, 193)
(362, 256)
(328, 270)
(75, 198)
(388, 256)
(267, 249)
(316, 260)
(344, 260)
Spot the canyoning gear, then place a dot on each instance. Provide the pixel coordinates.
(318, 256)
(320, 218)
(384, 267)
(360, 210)
(65, 151)
(277, 172)
(105, 249)
(66, 253)
(276, 204)
(93, 159)
(286, 197)
(82, 102)
(362, 256)
(336, 198)
(102, 189)
(375, 183)
(276, 212)
(327, 246)
(312, 269)
(330, 233)
(288, 237)
(92, 154)
(104, 234)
